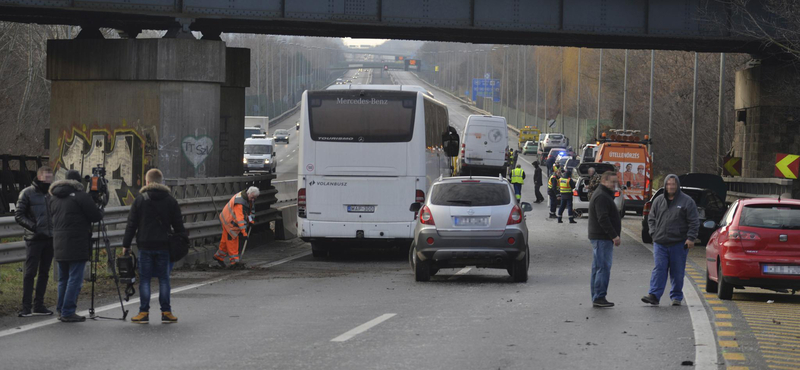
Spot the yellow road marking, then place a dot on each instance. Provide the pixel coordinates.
(714, 301)
(710, 296)
(738, 368)
(726, 324)
(782, 357)
(726, 333)
(723, 315)
(733, 356)
(719, 308)
(728, 343)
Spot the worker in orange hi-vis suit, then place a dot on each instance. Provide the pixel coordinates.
(239, 211)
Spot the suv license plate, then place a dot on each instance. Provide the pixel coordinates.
(472, 221)
(361, 209)
(781, 270)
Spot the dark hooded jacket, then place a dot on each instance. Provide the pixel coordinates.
(32, 211)
(537, 176)
(72, 212)
(150, 219)
(675, 221)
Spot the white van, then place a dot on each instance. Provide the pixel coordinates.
(484, 150)
(259, 154)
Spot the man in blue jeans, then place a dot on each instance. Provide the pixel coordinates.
(604, 230)
(674, 223)
(72, 212)
(154, 214)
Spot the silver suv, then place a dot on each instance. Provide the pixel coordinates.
(470, 221)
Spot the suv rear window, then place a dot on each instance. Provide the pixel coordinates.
(554, 137)
(771, 216)
(470, 194)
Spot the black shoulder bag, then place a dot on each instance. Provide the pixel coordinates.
(178, 243)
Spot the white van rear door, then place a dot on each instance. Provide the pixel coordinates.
(486, 144)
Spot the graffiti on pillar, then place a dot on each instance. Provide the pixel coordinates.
(196, 149)
(120, 151)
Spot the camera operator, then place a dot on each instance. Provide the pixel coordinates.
(33, 215)
(73, 211)
(152, 214)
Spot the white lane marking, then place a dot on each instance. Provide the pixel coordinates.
(463, 271)
(363, 327)
(705, 346)
(294, 150)
(154, 296)
(280, 161)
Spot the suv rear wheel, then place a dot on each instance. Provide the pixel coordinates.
(724, 289)
(519, 269)
(422, 269)
(711, 285)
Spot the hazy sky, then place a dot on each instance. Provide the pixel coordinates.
(349, 41)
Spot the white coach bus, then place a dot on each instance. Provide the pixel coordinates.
(367, 152)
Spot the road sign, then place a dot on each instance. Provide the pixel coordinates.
(385, 68)
(487, 76)
(485, 88)
(412, 62)
(436, 69)
(787, 165)
(732, 166)
(551, 123)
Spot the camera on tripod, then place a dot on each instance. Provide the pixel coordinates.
(98, 185)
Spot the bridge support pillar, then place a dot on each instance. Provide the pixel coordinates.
(136, 104)
(767, 103)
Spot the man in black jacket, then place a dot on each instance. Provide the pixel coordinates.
(73, 211)
(154, 214)
(33, 215)
(537, 182)
(604, 233)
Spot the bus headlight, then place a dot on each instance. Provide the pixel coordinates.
(244, 160)
(266, 161)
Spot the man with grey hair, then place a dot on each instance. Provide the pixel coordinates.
(239, 211)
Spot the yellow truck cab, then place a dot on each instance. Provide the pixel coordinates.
(526, 134)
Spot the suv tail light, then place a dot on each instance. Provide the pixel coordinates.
(425, 216)
(515, 217)
(646, 209)
(574, 192)
(420, 197)
(301, 202)
(616, 194)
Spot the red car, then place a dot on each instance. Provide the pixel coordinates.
(757, 244)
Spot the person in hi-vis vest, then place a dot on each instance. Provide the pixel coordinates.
(565, 186)
(239, 211)
(517, 179)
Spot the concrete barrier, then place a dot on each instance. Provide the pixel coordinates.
(286, 225)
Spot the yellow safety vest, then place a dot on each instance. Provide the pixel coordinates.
(550, 182)
(516, 176)
(563, 186)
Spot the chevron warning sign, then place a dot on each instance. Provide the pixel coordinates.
(732, 166)
(787, 165)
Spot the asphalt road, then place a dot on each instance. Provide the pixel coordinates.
(364, 310)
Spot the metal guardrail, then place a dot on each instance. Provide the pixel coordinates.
(198, 210)
(744, 187)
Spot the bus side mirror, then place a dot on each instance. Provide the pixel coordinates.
(450, 142)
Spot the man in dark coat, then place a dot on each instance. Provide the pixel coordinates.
(73, 211)
(33, 215)
(153, 215)
(537, 182)
(604, 234)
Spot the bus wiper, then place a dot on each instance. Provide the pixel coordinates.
(461, 201)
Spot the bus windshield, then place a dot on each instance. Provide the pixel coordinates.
(361, 116)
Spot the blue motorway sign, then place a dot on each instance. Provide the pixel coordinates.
(486, 88)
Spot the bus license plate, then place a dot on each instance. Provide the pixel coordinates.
(361, 209)
(782, 270)
(472, 221)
